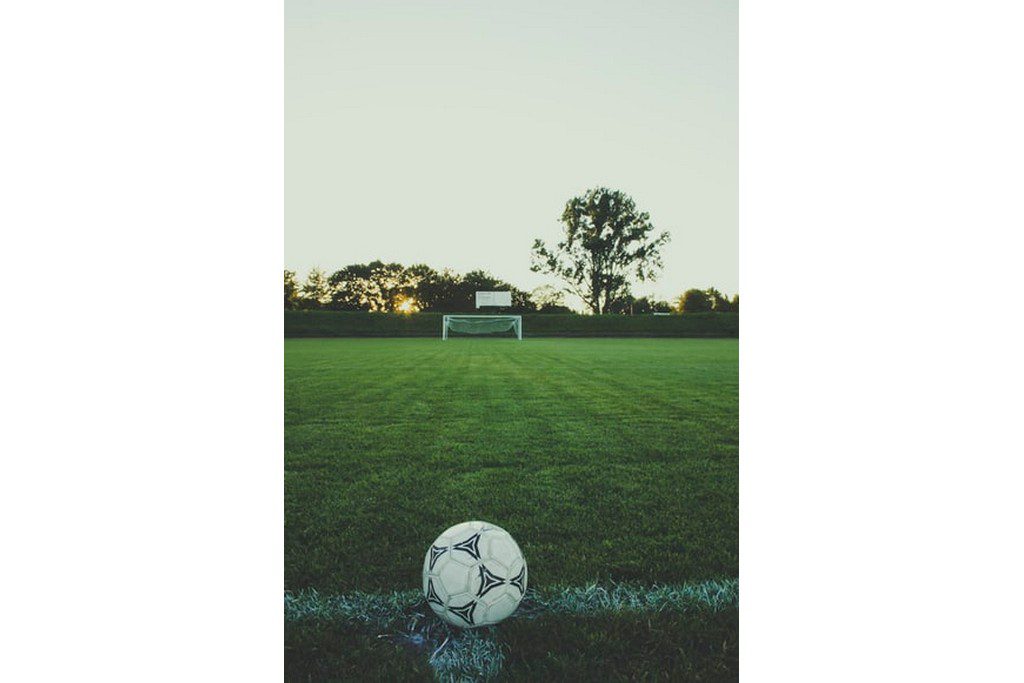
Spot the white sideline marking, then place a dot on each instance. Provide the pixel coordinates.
(473, 653)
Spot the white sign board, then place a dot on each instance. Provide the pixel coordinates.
(493, 299)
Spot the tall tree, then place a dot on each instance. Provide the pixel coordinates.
(291, 290)
(606, 241)
(316, 292)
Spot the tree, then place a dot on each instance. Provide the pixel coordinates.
(291, 290)
(547, 299)
(704, 300)
(661, 307)
(349, 288)
(606, 241)
(375, 286)
(389, 286)
(630, 305)
(521, 301)
(621, 305)
(694, 301)
(645, 306)
(641, 306)
(719, 303)
(436, 291)
(316, 292)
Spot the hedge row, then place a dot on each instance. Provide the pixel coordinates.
(359, 324)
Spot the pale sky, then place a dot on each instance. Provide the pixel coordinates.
(453, 132)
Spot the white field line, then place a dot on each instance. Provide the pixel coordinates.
(473, 654)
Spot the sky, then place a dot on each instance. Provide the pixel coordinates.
(453, 132)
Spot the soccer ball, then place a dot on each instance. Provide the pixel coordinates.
(474, 575)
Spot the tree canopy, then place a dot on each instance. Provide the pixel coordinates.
(392, 287)
(316, 291)
(375, 286)
(706, 300)
(291, 290)
(606, 242)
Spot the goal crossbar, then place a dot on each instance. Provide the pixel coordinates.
(482, 324)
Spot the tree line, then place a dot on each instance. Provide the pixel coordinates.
(607, 242)
(393, 288)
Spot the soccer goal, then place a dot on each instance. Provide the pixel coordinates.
(482, 324)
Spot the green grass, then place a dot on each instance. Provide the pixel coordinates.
(606, 459)
(589, 633)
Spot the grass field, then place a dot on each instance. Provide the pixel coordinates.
(613, 462)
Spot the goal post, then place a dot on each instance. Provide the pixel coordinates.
(482, 324)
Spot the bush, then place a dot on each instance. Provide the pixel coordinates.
(299, 323)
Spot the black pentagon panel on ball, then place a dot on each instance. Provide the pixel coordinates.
(488, 580)
(436, 552)
(464, 612)
(519, 580)
(432, 594)
(471, 545)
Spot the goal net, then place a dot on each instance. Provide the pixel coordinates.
(482, 324)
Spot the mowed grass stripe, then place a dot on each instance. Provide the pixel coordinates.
(606, 459)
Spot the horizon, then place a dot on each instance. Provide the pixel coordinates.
(453, 134)
(571, 300)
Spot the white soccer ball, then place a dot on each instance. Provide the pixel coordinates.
(474, 575)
